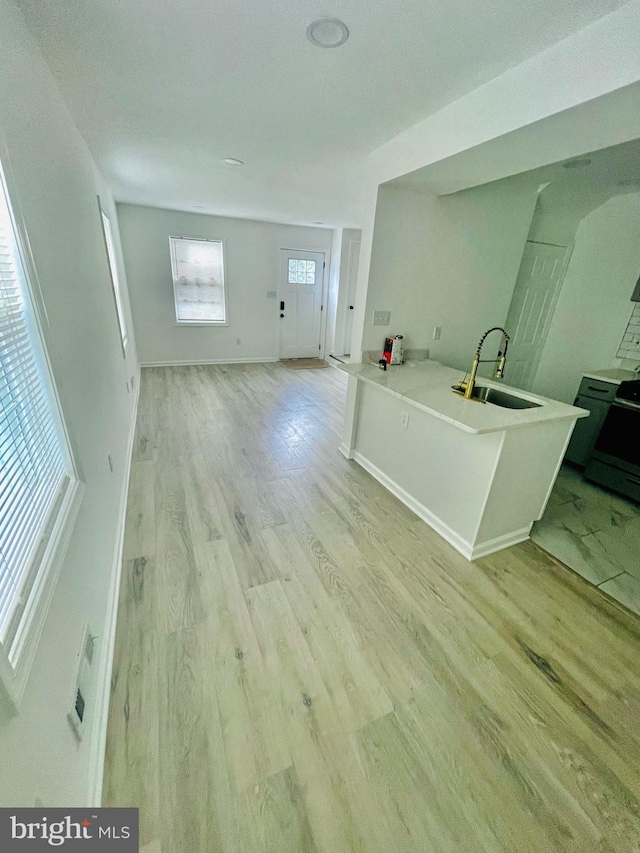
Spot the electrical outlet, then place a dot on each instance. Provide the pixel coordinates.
(437, 331)
(110, 460)
(404, 420)
(272, 294)
(381, 318)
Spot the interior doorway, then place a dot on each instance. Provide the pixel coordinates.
(352, 283)
(534, 298)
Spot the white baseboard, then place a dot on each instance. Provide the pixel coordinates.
(415, 506)
(471, 552)
(103, 692)
(349, 455)
(189, 362)
(483, 549)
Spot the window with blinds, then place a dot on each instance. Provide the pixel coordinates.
(198, 281)
(35, 468)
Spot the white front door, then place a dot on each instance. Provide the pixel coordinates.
(354, 258)
(300, 298)
(534, 298)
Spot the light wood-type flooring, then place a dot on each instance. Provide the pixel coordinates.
(303, 665)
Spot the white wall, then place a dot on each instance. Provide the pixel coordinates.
(54, 184)
(562, 206)
(252, 266)
(449, 262)
(594, 304)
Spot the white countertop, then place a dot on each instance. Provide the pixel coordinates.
(427, 386)
(615, 375)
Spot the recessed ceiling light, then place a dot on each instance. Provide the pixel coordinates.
(317, 222)
(199, 207)
(233, 161)
(327, 32)
(576, 164)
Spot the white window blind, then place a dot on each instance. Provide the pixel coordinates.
(34, 467)
(198, 280)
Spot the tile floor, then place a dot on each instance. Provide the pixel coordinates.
(596, 533)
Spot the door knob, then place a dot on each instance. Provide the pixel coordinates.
(350, 307)
(282, 315)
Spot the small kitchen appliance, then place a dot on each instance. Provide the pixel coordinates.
(393, 352)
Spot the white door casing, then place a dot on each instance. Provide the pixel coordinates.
(352, 278)
(300, 292)
(534, 299)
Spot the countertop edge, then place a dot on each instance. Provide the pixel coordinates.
(574, 414)
(605, 376)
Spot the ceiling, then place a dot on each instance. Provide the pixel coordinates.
(574, 192)
(164, 90)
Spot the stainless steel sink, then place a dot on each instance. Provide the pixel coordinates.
(501, 398)
(484, 394)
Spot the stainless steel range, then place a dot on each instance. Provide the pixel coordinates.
(615, 461)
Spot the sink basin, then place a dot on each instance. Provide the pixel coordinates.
(502, 398)
(484, 394)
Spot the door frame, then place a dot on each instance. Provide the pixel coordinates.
(556, 296)
(350, 261)
(326, 253)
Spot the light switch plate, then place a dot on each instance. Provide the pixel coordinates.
(381, 318)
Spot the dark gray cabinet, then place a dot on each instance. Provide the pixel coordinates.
(596, 396)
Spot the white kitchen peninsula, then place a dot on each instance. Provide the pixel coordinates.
(478, 473)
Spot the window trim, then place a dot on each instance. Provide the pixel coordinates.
(16, 663)
(116, 288)
(205, 323)
(15, 670)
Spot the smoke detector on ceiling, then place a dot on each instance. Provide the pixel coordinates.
(327, 32)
